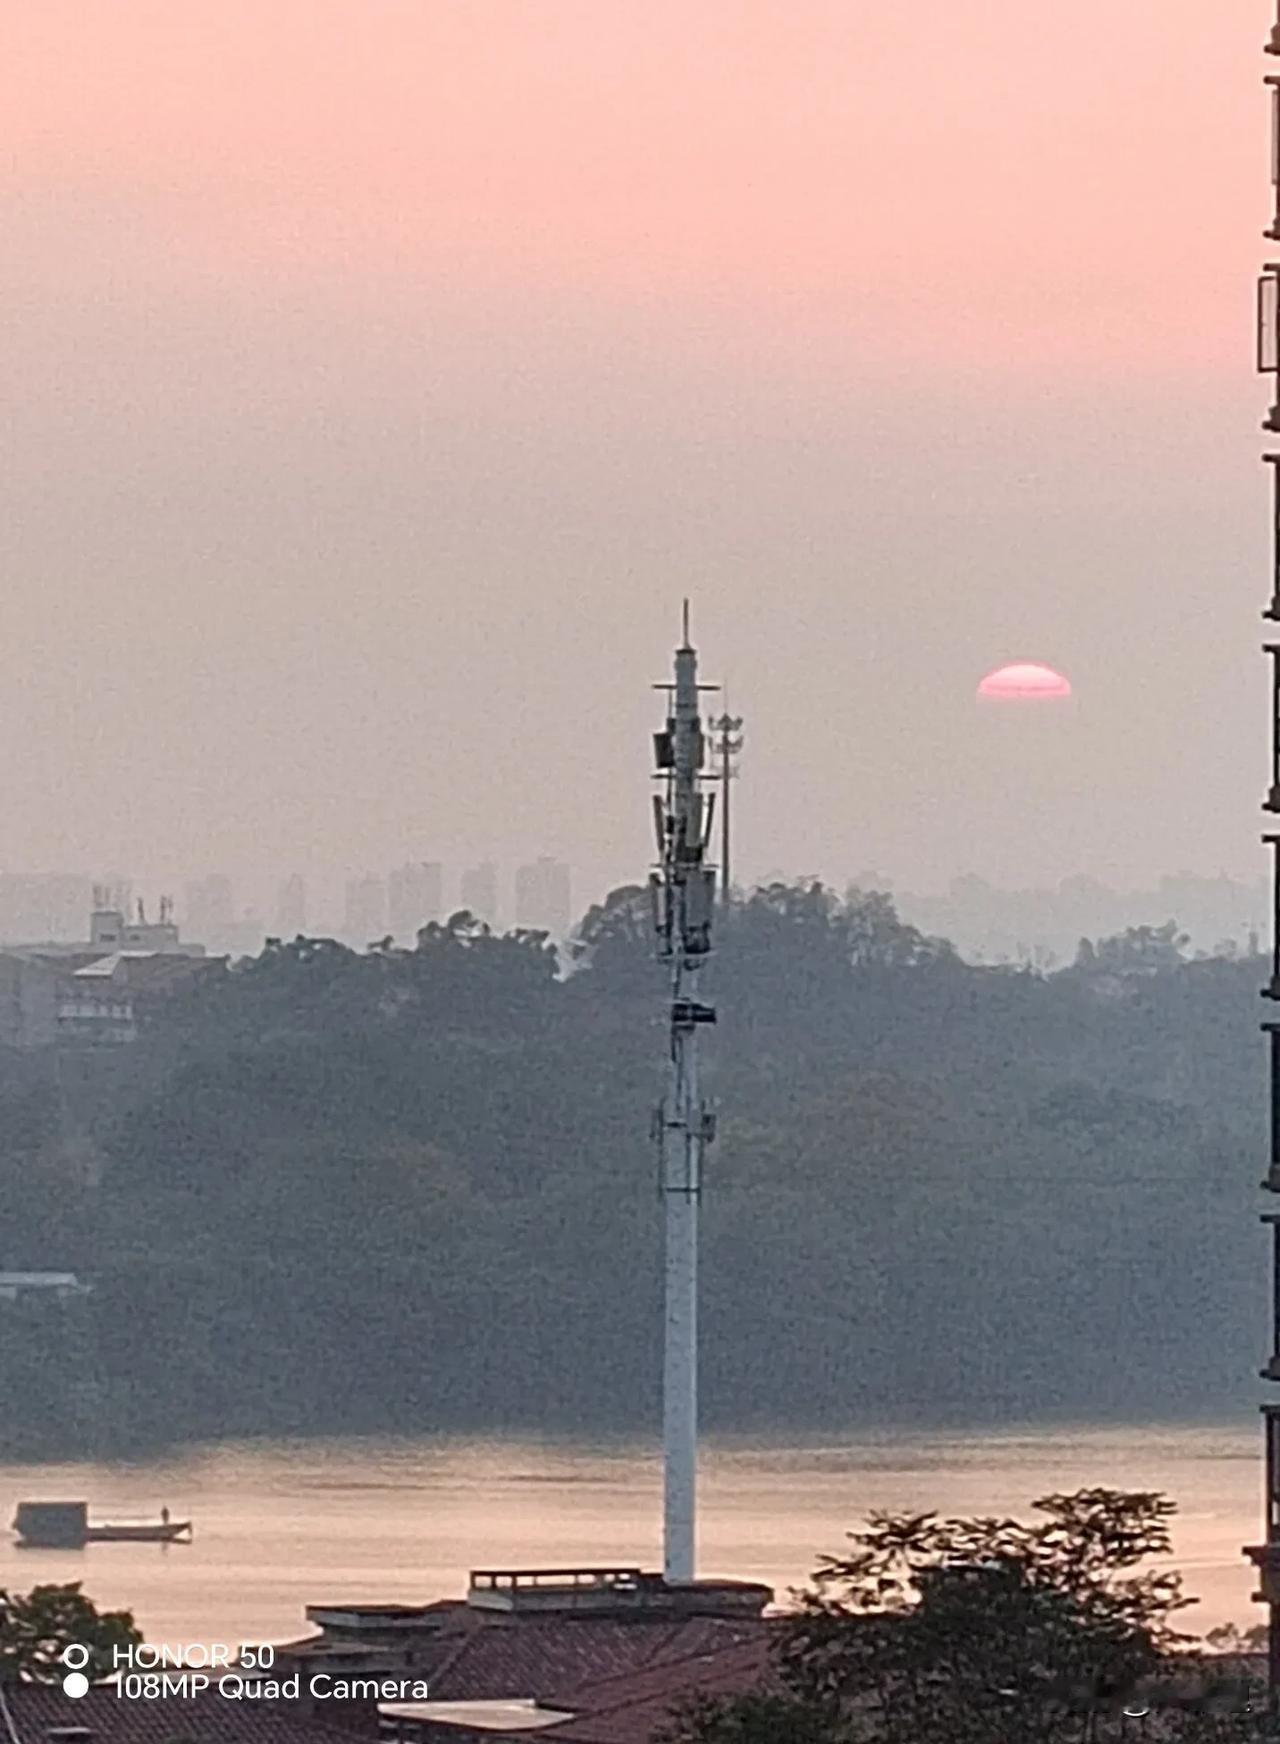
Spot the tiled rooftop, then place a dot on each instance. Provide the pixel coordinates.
(618, 1681)
(551, 1659)
(630, 1709)
(209, 1718)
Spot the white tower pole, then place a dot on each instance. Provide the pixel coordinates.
(684, 891)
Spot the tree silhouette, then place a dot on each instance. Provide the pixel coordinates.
(990, 1631)
(37, 1627)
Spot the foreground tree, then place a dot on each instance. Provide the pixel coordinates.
(752, 1719)
(989, 1631)
(37, 1627)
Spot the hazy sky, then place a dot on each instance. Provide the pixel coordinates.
(379, 374)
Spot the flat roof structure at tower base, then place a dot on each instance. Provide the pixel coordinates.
(604, 1592)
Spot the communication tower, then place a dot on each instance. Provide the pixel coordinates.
(682, 886)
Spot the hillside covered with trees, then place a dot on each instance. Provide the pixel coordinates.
(414, 1190)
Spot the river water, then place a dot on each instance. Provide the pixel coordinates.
(281, 1524)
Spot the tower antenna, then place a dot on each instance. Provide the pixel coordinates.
(683, 890)
(727, 729)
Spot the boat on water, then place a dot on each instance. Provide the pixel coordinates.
(140, 1532)
(67, 1526)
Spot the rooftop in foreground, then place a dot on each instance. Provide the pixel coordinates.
(42, 1711)
(610, 1590)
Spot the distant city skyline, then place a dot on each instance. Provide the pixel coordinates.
(359, 907)
(988, 922)
(985, 919)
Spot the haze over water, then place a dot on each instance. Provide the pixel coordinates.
(281, 1524)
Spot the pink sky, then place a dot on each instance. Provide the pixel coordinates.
(378, 364)
(1006, 181)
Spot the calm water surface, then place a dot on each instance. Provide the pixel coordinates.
(281, 1524)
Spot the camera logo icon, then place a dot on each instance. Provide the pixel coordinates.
(75, 1684)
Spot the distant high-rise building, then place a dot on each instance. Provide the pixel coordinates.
(543, 896)
(478, 891)
(415, 893)
(210, 907)
(291, 907)
(365, 917)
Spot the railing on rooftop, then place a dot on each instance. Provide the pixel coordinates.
(509, 1579)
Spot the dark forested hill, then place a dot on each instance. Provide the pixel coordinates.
(413, 1189)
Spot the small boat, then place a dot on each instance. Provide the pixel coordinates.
(66, 1526)
(140, 1532)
